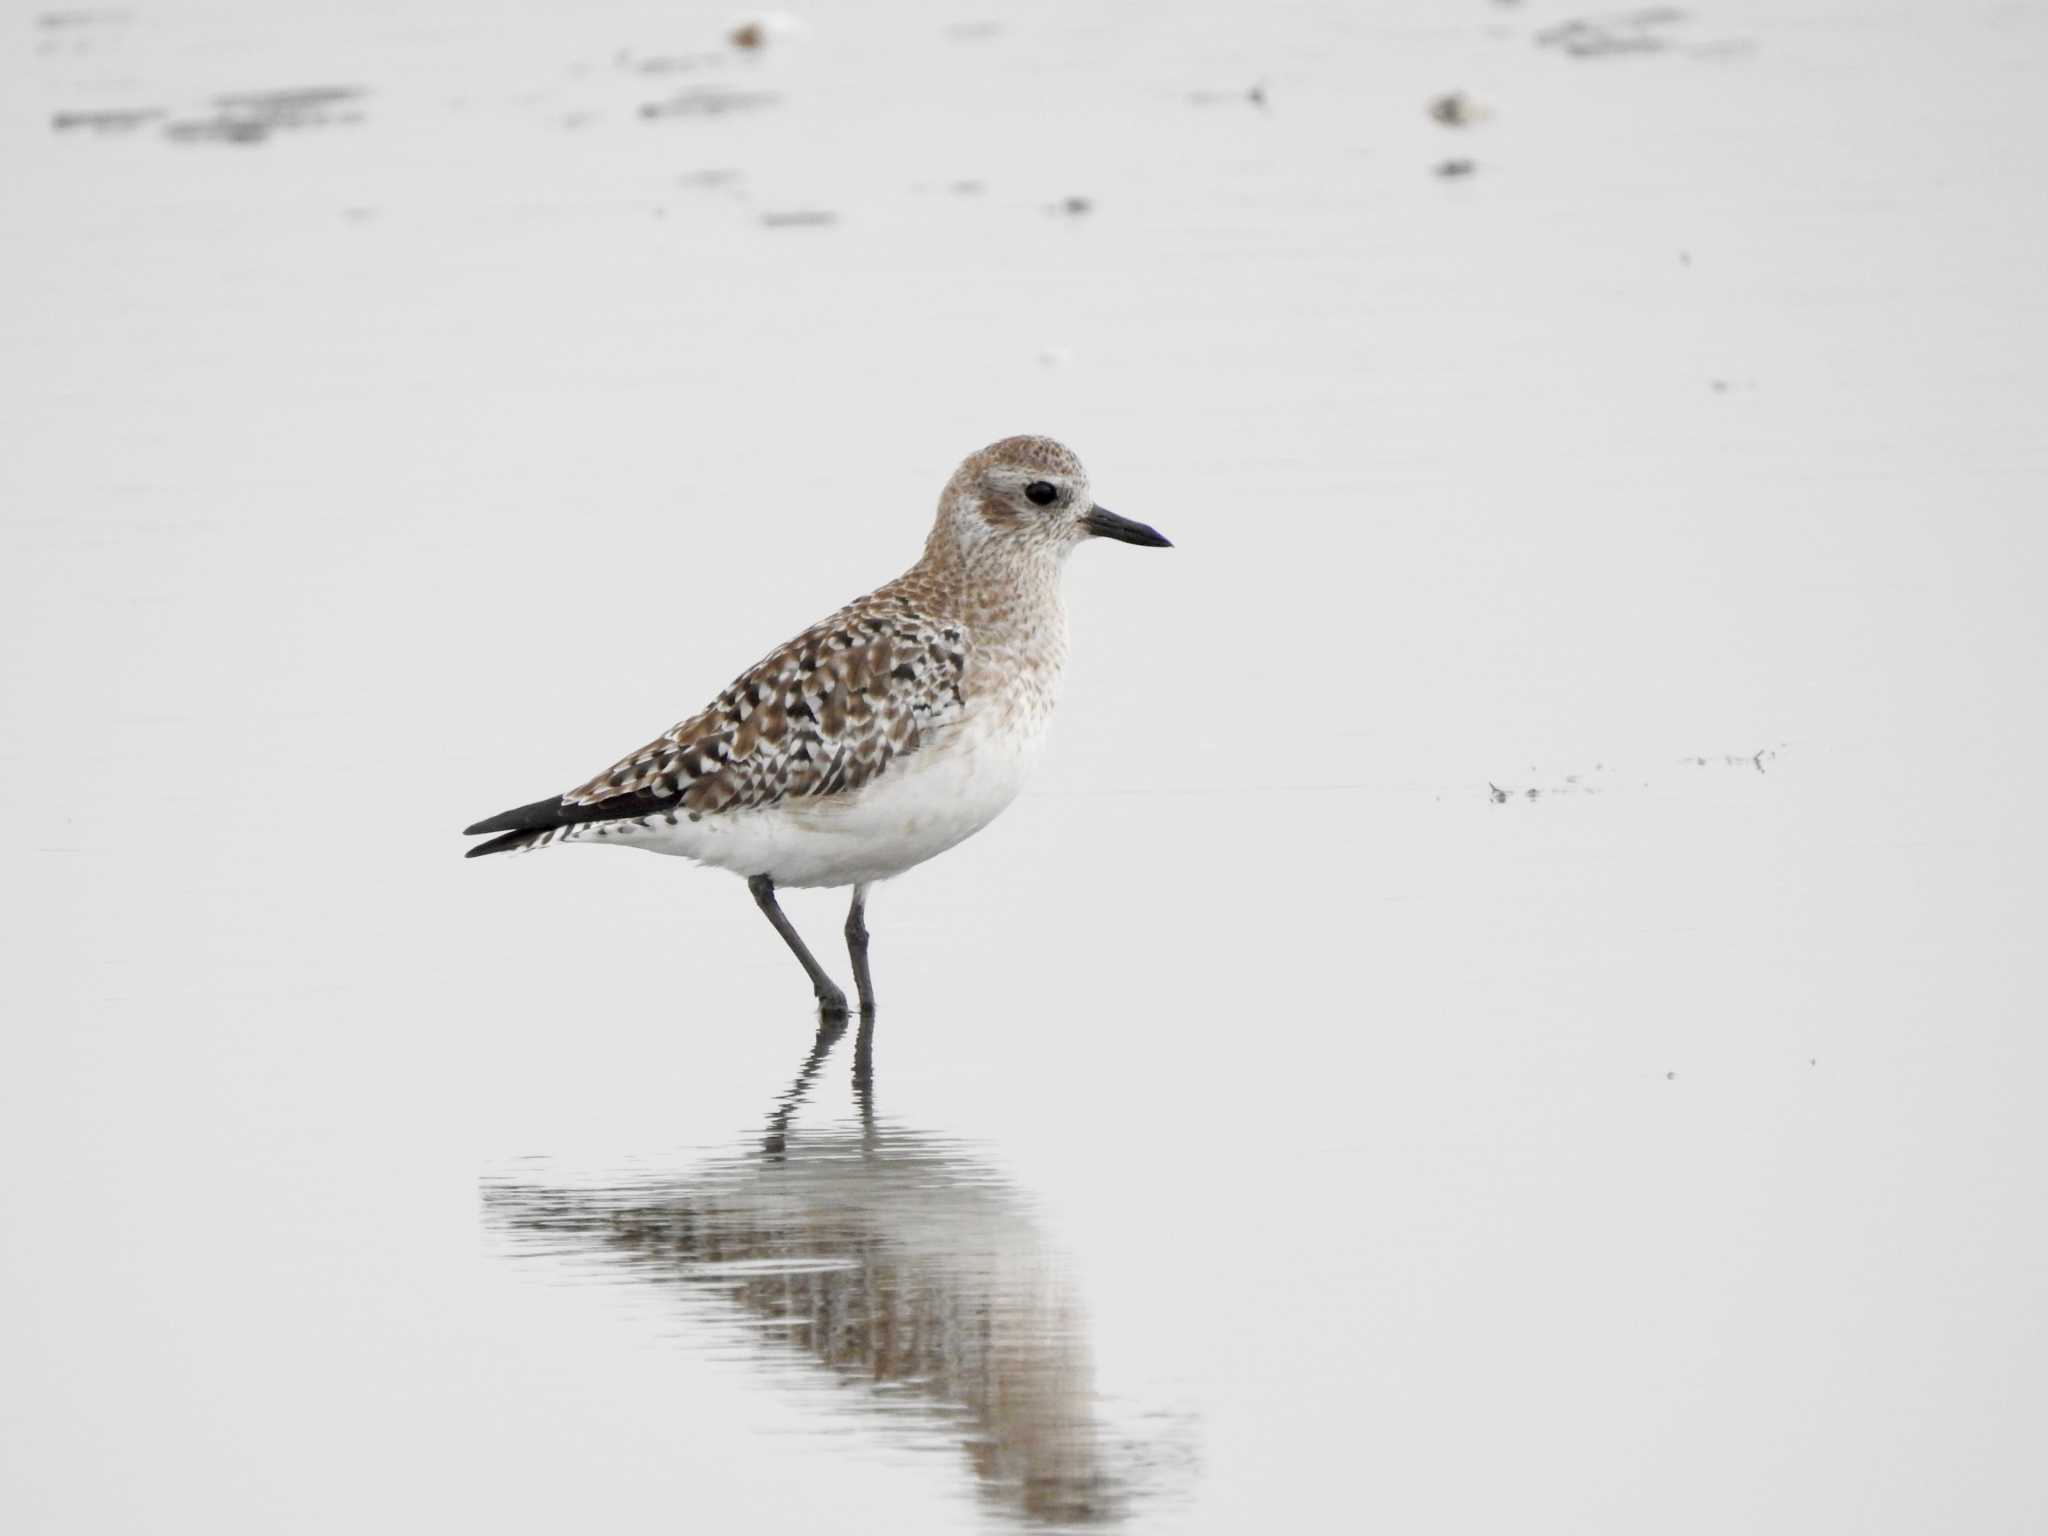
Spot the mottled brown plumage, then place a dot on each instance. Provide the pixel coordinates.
(828, 711)
(879, 737)
(821, 715)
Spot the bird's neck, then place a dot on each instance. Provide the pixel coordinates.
(1008, 595)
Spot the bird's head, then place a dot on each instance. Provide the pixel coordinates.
(1027, 496)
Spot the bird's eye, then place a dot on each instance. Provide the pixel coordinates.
(1042, 493)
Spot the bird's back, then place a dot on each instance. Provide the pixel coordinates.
(818, 717)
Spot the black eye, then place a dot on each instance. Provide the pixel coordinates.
(1042, 493)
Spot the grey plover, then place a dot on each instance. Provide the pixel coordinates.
(879, 737)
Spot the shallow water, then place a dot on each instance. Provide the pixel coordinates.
(1513, 999)
(883, 1276)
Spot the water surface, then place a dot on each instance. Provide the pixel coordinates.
(1513, 1001)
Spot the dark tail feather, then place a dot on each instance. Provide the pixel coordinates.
(526, 826)
(522, 818)
(510, 842)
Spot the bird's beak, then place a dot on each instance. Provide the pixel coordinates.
(1105, 524)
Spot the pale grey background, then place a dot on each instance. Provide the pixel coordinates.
(1661, 1153)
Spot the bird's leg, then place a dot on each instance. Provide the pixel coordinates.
(857, 947)
(831, 1001)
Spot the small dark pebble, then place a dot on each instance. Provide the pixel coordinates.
(1454, 110)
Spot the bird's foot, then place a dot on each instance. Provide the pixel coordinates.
(831, 1002)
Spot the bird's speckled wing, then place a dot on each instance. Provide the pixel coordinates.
(822, 715)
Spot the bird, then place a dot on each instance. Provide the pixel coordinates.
(881, 736)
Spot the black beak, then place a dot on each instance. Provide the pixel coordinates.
(1105, 524)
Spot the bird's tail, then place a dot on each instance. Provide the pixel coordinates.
(515, 842)
(524, 826)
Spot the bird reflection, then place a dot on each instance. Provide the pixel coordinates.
(874, 1255)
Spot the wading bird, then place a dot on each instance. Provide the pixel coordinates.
(879, 737)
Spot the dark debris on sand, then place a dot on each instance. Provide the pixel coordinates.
(251, 117)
